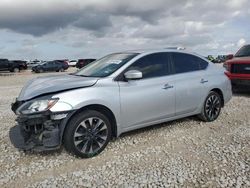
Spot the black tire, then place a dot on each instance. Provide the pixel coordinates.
(211, 107)
(16, 70)
(40, 70)
(85, 139)
(61, 70)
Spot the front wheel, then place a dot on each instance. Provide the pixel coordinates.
(212, 107)
(87, 134)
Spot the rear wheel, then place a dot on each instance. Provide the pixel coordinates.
(61, 70)
(212, 107)
(87, 134)
(16, 70)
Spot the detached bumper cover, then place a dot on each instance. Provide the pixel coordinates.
(38, 132)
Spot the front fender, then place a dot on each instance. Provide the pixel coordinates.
(76, 99)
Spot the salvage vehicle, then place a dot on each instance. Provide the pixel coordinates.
(238, 68)
(83, 62)
(21, 64)
(72, 63)
(12, 66)
(115, 94)
(34, 63)
(50, 66)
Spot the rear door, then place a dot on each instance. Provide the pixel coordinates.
(150, 99)
(190, 79)
(47, 66)
(56, 65)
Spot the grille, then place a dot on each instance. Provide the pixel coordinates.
(240, 68)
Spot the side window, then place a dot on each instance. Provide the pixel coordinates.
(203, 64)
(187, 63)
(153, 65)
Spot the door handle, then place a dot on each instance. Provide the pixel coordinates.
(167, 86)
(203, 81)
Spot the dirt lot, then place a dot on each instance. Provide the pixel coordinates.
(183, 153)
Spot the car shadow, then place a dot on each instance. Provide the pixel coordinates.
(169, 125)
(240, 93)
(156, 127)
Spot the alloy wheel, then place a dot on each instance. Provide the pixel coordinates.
(212, 107)
(90, 135)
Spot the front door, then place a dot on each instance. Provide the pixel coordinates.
(151, 99)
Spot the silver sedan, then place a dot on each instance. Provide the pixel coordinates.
(115, 94)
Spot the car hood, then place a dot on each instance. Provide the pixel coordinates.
(51, 84)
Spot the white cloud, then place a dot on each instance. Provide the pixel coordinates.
(228, 46)
(97, 27)
(241, 42)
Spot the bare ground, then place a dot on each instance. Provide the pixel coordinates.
(183, 153)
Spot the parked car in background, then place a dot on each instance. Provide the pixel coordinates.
(51, 66)
(115, 94)
(211, 58)
(65, 61)
(34, 63)
(72, 63)
(83, 62)
(12, 66)
(22, 64)
(221, 58)
(238, 68)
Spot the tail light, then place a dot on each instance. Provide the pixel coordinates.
(227, 66)
(227, 74)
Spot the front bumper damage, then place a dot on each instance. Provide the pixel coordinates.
(39, 132)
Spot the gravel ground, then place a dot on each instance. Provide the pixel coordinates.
(183, 153)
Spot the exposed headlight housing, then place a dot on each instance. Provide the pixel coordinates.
(36, 106)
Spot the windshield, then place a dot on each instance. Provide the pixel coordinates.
(106, 65)
(243, 52)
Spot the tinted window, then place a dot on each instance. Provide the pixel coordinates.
(243, 52)
(203, 63)
(187, 63)
(153, 65)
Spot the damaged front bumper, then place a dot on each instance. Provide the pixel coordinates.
(39, 132)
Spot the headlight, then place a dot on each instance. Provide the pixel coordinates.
(36, 106)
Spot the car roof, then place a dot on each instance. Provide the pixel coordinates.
(168, 49)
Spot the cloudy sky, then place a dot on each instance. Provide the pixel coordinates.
(53, 29)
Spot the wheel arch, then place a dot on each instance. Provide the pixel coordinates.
(97, 107)
(219, 91)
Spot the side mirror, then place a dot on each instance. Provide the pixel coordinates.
(133, 75)
(230, 56)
